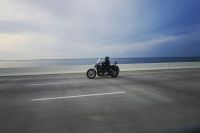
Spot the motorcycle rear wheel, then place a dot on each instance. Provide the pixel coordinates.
(115, 74)
(91, 73)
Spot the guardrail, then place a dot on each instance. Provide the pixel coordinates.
(83, 68)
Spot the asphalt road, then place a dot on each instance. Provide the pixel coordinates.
(160, 101)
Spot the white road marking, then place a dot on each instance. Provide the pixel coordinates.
(58, 83)
(41, 78)
(77, 96)
(29, 78)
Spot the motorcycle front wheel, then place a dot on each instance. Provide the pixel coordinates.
(91, 73)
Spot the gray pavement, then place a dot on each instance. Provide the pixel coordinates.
(156, 101)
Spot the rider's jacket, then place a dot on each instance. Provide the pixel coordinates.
(107, 62)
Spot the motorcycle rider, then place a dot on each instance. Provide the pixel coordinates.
(107, 64)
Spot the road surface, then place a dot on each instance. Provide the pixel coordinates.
(137, 102)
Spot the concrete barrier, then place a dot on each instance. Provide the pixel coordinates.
(84, 68)
(154, 66)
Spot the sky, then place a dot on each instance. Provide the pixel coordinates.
(62, 29)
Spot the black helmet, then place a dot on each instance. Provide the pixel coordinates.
(107, 58)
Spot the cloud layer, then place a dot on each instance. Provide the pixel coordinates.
(49, 29)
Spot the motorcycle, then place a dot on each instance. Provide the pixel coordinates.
(101, 70)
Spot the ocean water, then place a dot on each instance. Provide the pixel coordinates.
(65, 62)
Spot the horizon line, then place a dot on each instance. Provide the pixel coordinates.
(98, 58)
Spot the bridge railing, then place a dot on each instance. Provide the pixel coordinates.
(83, 68)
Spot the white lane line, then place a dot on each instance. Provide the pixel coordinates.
(77, 96)
(59, 83)
(39, 78)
